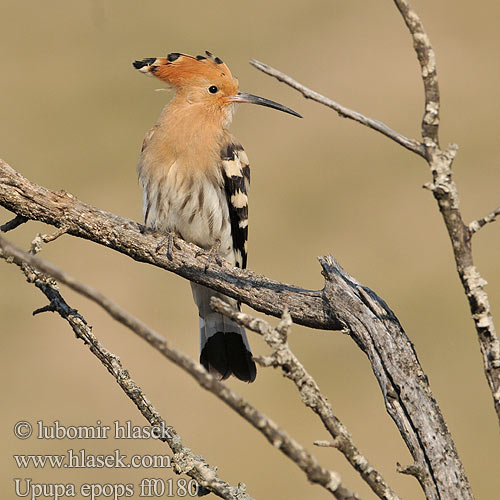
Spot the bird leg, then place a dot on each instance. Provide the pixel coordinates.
(213, 255)
(169, 242)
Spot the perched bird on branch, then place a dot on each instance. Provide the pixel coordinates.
(195, 178)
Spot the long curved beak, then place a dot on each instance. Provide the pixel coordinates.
(255, 99)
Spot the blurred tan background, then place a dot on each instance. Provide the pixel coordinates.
(74, 112)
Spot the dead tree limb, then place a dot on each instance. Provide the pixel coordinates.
(61, 209)
(343, 304)
(344, 112)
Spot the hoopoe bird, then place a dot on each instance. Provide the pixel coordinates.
(195, 178)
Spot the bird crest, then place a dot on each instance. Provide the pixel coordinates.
(181, 70)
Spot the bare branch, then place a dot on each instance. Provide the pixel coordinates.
(310, 393)
(36, 244)
(184, 460)
(410, 470)
(410, 144)
(445, 192)
(324, 444)
(275, 435)
(47, 238)
(408, 398)
(427, 61)
(476, 225)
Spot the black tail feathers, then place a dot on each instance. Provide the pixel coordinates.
(227, 354)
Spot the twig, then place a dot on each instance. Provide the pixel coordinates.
(476, 225)
(278, 437)
(12, 224)
(36, 244)
(325, 444)
(184, 460)
(410, 144)
(310, 394)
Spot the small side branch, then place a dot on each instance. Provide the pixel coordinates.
(476, 225)
(12, 224)
(410, 144)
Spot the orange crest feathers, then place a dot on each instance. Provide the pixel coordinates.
(182, 70)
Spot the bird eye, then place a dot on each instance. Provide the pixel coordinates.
(213, 89)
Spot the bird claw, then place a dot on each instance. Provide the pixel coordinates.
(213, 255)
(170, 243)
(145, 230)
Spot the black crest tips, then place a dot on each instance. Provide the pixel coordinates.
(216, 60)
(144, 62)
(200, 58)
(173, 56)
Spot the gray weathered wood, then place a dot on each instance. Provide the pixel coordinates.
(342, 304)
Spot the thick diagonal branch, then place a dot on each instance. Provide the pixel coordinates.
(35, 202)
(407, 395)
(310, 394)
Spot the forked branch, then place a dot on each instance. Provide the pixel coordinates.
(442, 186)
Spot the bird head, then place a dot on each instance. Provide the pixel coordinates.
(203, 80)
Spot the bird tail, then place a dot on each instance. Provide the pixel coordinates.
(224, 346)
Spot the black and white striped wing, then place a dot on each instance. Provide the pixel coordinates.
(236, 175)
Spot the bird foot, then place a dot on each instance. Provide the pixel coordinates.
(145, 230)
(213, 255)
(170, 243)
